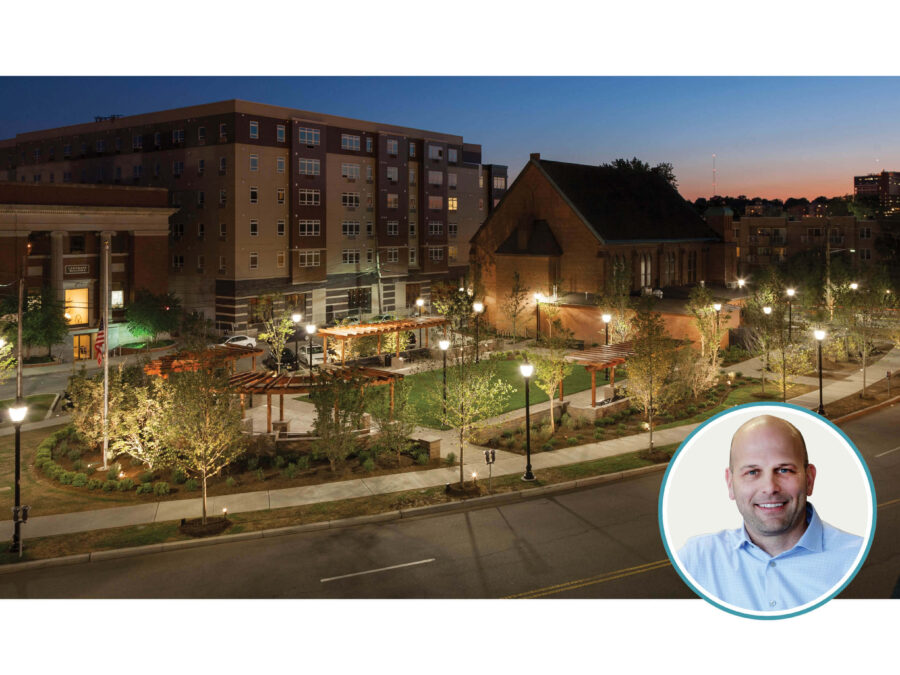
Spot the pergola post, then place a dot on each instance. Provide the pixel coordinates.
(324, 352)
(343, 346)
(268, 413)
(281, 407)
(379, 344)
(426, 338)
(593, 388)
(242, 406)
(612, 374)
(560, 390)
(252, 362)
(398, 343)
(392, 399)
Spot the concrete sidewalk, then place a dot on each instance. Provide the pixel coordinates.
(506, 464)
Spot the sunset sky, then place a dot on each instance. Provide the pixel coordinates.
(772, 137)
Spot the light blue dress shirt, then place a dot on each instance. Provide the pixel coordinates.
(730, 567)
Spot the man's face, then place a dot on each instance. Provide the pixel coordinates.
(768, 482)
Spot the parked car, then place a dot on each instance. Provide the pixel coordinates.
(316, 355)
(288, 360)
(381, 318)
(237, 340)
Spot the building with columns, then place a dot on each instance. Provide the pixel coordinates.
(55, 236)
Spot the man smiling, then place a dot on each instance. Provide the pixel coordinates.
(784, 556)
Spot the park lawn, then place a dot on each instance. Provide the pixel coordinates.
(426, 388)
(38, 405)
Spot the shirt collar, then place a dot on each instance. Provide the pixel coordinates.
(812, 539)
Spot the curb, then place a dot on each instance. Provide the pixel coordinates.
(415, 512)
(865, 411)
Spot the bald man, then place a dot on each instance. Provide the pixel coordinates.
(784, 555)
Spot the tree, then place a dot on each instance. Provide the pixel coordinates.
(790, 361)
(277, 331)
(764, 329)
(202, 423)
(652, 378)
(396, 423)
(865, 317)
(615, 299)
(550, 369)
(138, 419)
(7, 358)
(665, 170)
(149, 314)
(515, 302)
(43, 319)
(712, 327)
(196, 332)
(453, 302)
(339, 403)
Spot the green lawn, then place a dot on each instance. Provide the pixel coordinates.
(38, 404)
(508, 371)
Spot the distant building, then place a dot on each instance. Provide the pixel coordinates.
(54, 235)
(885, 186)
(339, 215)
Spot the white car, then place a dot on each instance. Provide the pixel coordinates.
(238, 341)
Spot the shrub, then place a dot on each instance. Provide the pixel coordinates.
(110, 485)
(738, 375)
(191, 485)
(65, 477)
(144, 488)
(179, 476)
(509, 443)
(79, 479)
(94, 484)
(599, 433)
(450, 458)
(573, 440)
(52, 470)
(621, 426)
(77, 465)
(494, 441)
(422, 458)
(112, 474)
(125, 485)
(161, 488)
(279, 461)
(606, 420)
(303, 462)
(74, 453)
(368, 466)
(260, 476)
(230, 481)
(146, 477)
(507, 434)
(252, 463)
(547, 447)
(691, 410)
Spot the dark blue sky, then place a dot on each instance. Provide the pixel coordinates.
(773, 137)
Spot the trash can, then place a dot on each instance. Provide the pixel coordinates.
(387, 360)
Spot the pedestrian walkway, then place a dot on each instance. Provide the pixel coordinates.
(507, 463)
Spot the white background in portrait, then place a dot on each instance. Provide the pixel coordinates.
(696, 499)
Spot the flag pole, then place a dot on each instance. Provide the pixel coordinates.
(105, 349)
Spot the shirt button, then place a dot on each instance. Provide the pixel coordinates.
(772, 563)
(772, 603)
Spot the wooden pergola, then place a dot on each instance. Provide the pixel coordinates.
(190, 361)
(347, 333)
(270, 384)
(605, 357)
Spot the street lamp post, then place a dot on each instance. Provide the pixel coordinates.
(445, 345)
(20, 513)
(820, 336)
(527, 370)
(768, 312)
(537, 315)
(420, 303)
(606, 319)
(790, 294)
(310, 329)
(478, 308)
(296, 318)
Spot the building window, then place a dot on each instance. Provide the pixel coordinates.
(435, 178)
(201, 261)
(221, 263)
(369, 229)
(393, 228)
(435, 203)
(412, 228)
(223, 230)
(349, 142)
(309, 258)
(499, 182)
(223, 197)
(279, 165)
(350, 228)
(223, 132)
(279, 195)
(254, 194)
(350, 256)
(310, 228)
(177, 231)
(223, 165)
(412, 203)
(279, 228)
(412, 149)
(412, 255)
(254, 228)
(279, 133)
(452, 230)
(393, 201)
(350, 171)
(451, 181)
(177, 262)
(436, 254)
(393, 255)
(254, 129)
(646, 270)
(254, 162)
(451, 252)
(368, 145)
(117, 143)
(279, 259)
(350, 200)
(412, 176)
(201, 167)
(309, 167)
(177, 169)
(435, 227)
(136, 173)
(368, 174)
(201, 230)
(865, 233)
(118, 174)
(865, 254)
(201, 134)
(137, 143)
(201, 198)
(393, 147)
(481, 205)
(451, 154)
(481, 180)
(101, 147)
(308, 137)
(369, 255)
(177, 136)
(360, 298)
(254, 260)
(67, 175)
(451, 203)
(393, 174)
(435, 152)
(67, 150)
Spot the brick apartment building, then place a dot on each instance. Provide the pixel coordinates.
(54, 234)
(885, 186)
(564, 227)
(270, 199)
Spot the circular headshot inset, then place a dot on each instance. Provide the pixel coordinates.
(767, 510)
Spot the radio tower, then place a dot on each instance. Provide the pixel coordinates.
(715, 188)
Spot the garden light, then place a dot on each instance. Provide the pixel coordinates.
(854, 286)
(820, 335)
(527, 369)
(717, 306)
(444, 345)
(741, 283)
(767, 310)
(791, 292)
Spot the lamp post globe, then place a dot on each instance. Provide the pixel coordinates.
(820, 337)
(17, 415)
(310, 330)
(296, 317)
(445, 345)
(527, 370)
(478, 308)
(854, 286)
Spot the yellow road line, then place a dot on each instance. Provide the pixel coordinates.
(606, 576)
(893, 501)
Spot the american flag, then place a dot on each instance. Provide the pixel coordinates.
(98, 343)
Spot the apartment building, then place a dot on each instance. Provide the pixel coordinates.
(340, 216)
(885, 186)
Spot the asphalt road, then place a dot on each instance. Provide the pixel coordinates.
(601, 542)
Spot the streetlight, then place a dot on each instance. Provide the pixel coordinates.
(17, 416)
(741, 283)
(296, 318)
(854, 286)
(790, 294)
(527, 370)
(537, 315)
(310, 329)
(820, 336)
(606, 319)
(445, 345)
(478, 308)
(767, 311)
(420, 303)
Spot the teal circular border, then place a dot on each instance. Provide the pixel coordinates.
(708, 598)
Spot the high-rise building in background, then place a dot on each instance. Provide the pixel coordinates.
(340, 216)
(885, 186)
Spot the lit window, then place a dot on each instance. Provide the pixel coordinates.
(254, 194)
(279, 259)
(254, 228)
(280, 133)
(254, 260)
(451, 203)
(279, 228)
(309, 197)
(117, 299)
(393, 147)
(350, 256)
(435, 203)
(254, 129)
(349, 142)
(350, 200)
(451, 252)
(310, 228)
(279, 195)
(279, 164)
(393, 228)
(307, 136)
(393, 201)
(499, 182)
(254, 162)
(350, 171)
(350, 228)
(310, 167)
